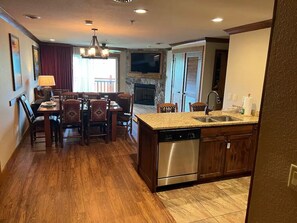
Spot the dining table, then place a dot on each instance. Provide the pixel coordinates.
(47, 111)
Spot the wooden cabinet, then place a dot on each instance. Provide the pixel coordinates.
(211, 157)
(226, 151)
(237, 153)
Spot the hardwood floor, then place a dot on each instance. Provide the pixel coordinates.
(96, 183)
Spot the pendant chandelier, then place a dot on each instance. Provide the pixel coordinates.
(95, 51)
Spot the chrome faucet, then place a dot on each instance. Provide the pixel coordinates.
(207, 110)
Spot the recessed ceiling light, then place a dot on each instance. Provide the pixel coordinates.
(52, 40)
(140, 11)
(218, 19)
(29, 16)
(88, 22)
(123, 1)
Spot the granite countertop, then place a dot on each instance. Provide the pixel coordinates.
(158, 121)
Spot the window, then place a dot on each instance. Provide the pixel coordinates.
(94, 75)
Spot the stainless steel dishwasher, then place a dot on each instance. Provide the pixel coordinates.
(178, 156)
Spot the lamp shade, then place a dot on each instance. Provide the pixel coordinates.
(46, 80)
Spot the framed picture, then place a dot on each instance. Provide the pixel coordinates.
(36, 62)
(15, 61)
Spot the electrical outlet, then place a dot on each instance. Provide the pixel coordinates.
(292, 180)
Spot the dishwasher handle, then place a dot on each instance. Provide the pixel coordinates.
(179, 134)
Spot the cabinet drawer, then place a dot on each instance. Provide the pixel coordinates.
(226, 130)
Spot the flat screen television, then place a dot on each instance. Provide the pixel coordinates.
(145, 62)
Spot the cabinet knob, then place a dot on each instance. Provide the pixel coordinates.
(228, 145)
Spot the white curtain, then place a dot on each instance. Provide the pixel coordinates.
(83, 75)
(90, 75)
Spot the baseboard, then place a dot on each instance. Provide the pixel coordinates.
(5, 170)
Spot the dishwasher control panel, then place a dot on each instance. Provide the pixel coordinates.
(179, 134)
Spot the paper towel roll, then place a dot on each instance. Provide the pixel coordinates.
(247, 105)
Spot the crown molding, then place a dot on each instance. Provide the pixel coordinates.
(10, 20)
(207, 39)
(249, 27)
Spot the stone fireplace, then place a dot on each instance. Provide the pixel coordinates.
(158, 83)
(144, 94)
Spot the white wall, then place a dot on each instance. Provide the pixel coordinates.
(123, 71)
(246, 67)
(208, 66)
(13, 122)
(168, 76)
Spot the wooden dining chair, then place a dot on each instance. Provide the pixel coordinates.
(91, 95)
(197, 106)
(98, 121)
(124, 118)
(167, 108)
(36, 124)
(71, 116)
(69, 95)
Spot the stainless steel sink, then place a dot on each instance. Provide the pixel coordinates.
(205, 119)
(225, 118)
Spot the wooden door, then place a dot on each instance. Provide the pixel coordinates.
(178, 78)
(237, 154)
(211, 157)
(219, 74)
(192, 79)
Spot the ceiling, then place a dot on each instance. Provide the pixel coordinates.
(167, 21)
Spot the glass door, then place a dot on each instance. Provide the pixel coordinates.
(178, 78)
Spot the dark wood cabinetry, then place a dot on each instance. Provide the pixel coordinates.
(237, 154)
(211, 164)
(226, 151)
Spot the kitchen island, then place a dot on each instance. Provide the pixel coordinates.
(226, 146)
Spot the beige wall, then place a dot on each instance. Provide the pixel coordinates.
(207, 73)
(168, 76)
(123, 71)
(13, 122)
(246, 67)
(271, 200)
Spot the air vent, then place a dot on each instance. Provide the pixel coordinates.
(28, 16)
(123, 1)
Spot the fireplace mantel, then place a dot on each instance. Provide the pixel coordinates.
(147, 76)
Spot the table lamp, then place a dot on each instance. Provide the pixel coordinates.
(46, 81)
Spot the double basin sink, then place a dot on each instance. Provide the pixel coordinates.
(223, 118)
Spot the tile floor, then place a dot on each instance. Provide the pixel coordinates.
(218, 202)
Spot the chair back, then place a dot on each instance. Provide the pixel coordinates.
(98, 110)
(126, 102)
(38, 93)
(27, 107)
(197, 106)
(91, 95)
(59, 92)
(71, 111)
(167, 108)
(69, 95)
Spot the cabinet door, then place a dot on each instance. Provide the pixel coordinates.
(211, 157)
(237, 153)
(253, 148)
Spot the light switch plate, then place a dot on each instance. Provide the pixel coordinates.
(292, 181)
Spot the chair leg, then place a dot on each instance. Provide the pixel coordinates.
(31, 136)
(88, 134)
(106, 132)
(130, 124)
(61, 137)
(56, 135)
(82, 136)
